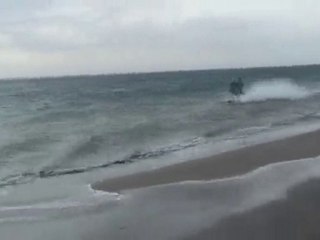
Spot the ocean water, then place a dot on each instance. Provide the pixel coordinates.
(59, 135)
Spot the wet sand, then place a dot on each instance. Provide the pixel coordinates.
(227, 164)
(295, 218)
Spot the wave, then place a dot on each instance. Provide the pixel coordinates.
(275, 89)
(28, 177)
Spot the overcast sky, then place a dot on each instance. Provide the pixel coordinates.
(63, 37)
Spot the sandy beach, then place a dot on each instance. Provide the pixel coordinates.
(295, 217)
(223, 165)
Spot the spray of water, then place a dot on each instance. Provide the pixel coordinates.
(274, 89)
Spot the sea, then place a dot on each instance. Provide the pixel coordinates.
(61, 134)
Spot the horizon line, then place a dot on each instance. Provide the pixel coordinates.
(156, 72)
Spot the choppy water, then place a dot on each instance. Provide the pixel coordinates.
(59, 135)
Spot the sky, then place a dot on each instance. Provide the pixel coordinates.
(71, 37)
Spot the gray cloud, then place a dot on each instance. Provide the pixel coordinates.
(94, 36)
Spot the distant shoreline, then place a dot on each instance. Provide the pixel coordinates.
(143, 73)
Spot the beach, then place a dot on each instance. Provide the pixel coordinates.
(224, 165)
(294, 216)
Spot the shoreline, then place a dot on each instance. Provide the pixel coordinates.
(227, 164)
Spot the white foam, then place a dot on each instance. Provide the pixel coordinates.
(274, 89)
(112, 195)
